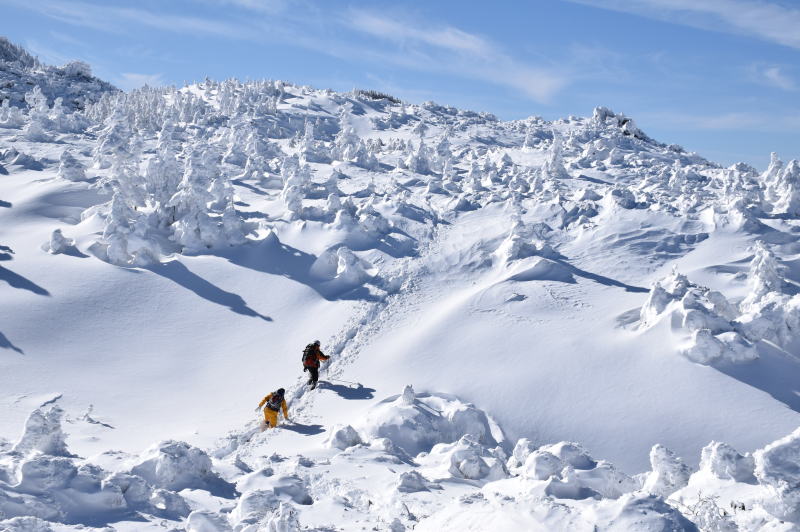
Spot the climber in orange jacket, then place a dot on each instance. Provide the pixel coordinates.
(272, 404)
(312, 355)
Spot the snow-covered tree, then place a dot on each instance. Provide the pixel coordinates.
(787, 190)
(553, 167)
(114, 138)
(70, 168)
(419, 160)
(194, 228)
(38, 119)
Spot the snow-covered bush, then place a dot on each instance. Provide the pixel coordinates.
(667, 474)
(722, 461)
(777, 468)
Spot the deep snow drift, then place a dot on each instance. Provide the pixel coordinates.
(165, 255)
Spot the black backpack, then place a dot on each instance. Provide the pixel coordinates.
(310, 356)
(275, 401)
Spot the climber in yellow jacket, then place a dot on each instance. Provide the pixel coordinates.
(272, 404)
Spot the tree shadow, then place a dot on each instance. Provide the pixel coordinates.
(275, 258)
(72, 251)
(177, 272)
(774, 372)
(6, 344)
(248, 186)
(602, 279)
(5, 253)
(593, 180)
(308, 430)
(18, 281)
(356, 391)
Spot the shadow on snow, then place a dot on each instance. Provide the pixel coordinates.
(354, 391)
(775, 372)
(309, 430)
(177, 272)
(18, 281)
(276, 258)
(6, 344)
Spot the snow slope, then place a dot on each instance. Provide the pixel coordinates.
(167, 253)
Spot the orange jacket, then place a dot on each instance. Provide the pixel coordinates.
(283, 405)
(316, 357)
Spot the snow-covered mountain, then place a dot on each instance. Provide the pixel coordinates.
(576, 315)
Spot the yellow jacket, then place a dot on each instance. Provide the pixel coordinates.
(283, 405)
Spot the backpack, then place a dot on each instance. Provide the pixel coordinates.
(310, 356)
(274, 402)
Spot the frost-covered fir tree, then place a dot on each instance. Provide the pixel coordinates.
(787, 190)
(419, 160)
(38, 119)
(114, 138)
(309, 148)
(194, 228)
(553, 167)
(771, 177)
(11, 116)
(162, 176)
(765, 276)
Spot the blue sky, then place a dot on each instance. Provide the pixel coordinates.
(720, 77)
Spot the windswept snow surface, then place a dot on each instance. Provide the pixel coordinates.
(166, 254)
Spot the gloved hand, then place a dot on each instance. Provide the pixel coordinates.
(305, 369)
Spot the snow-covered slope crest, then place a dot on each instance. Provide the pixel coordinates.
(72, 83)
(465, 482)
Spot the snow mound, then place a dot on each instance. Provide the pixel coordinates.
(175, 465)
(343, 437)
(416, 422)
(39, 477)
(571, 473)
(637, 512)
(777, 466)
(668, 472)
(543, 269)
(465, 459)
(705, 321)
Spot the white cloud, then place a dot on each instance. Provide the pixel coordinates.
(452, 50)
(111, 18)
(731, 121)
(262, 6)
(774, 76)
(131, 80)
(446, 37)
(766, 20)
(416, 45)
